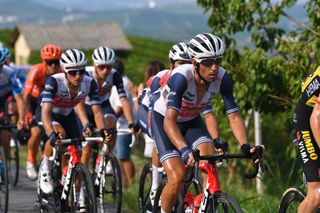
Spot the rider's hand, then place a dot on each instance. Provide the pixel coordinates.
(221, 146)
(251, 151)
(28, 118)
(87, 129)
(108, 134)
(134, 128)
(54, 138)
(187, 156)
(20, 124)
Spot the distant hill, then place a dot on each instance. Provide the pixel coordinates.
(171, 22)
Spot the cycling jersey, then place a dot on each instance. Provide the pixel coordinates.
(180, 93)
(36, 80)
(57, 92)
(8, 82)
(309, 152)
(114, 78)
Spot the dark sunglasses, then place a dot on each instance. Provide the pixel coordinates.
(104, 66)
(210, 61)
(76, 72)
(51, 62)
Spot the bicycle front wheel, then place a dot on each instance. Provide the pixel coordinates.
(222, 202)
(14, 161)
(291, 200)
(144, 189)
(111, 185)
(4, 182)
(87, 202)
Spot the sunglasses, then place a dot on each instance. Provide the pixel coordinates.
(208, 62)
(51, 62)
(104, 66)
(76, 72)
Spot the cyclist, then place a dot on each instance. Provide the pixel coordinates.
(34, 85)
(176, 123)
(9, 86)
(63, 94)
(306, 120)
(178, 55)
(105, 77)
(123, 144)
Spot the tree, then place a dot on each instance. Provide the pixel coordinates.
(268, 76)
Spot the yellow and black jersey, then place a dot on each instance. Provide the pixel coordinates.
(310, 91)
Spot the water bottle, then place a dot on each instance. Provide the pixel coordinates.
(197, 203)
(188, 202)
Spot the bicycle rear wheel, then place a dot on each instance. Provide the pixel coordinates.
(112, 188)
(13, 166)
(81, 171)
(291, 200)
(222, 202)
(144, 189)
(4, 182)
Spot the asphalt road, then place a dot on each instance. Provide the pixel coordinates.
(23, 196)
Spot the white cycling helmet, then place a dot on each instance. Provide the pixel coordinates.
(73, 59)
(179, 52)
(206, 45)
(103, 56)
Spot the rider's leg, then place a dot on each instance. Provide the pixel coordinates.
(33, 144)
(111, 122)
(312, 200)
(175, 170)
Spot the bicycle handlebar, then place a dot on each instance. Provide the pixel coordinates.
(134, 137)
(219, 157)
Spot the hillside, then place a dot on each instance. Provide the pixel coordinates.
(144, 50)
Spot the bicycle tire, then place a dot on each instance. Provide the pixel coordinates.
(112, 184)
(144, 188)
(14, 162)
(291, 199)
(90, 199)
(4, 182)
(222, 202)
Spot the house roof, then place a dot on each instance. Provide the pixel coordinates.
(80, 36)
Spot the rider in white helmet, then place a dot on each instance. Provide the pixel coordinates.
(64, 94)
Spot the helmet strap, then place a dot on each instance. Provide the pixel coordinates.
(198, 72)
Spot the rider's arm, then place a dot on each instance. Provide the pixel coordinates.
(47, 98)
(81, 113)
(94, 101)
(315, 121)
(178, 85)
(46, 118)
(28, 86)
(235, 120)
(117, 79)
(16, 90)
(212, 124)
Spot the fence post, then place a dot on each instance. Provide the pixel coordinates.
(258, 141)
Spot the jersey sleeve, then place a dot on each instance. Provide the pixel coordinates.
(14, 81)
(93, 93)
(50, 89)
(155, 85)
(226, 90)
(30, 81)
(178, 84)
(118, 82)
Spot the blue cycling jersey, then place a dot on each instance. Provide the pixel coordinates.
(9, 82)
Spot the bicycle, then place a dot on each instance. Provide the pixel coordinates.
(64, 196)
(13, 155)
(108, 184)
(145, 183)
(4, 178)
(213, 198)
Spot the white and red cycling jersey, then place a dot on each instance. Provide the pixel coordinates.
(153, 84)
(180, 93)
(57, 92)
(114, 78)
